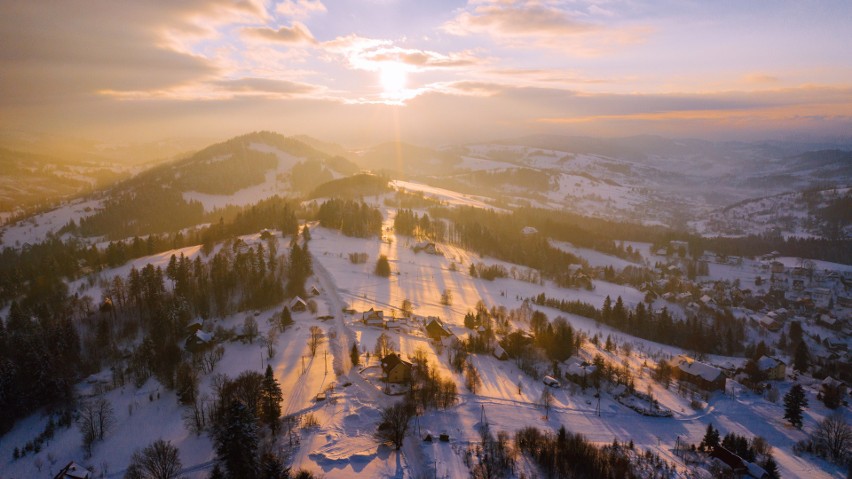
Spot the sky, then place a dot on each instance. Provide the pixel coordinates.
(436, 72)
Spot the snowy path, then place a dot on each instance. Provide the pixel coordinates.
(343, 441)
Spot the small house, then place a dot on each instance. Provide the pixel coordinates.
(770, 322)
(72, 470)
(773, 368)
(298, 305)
(427, 247)
(374, 318)
(500, 353)
(828, 321)
(396, 369)
(830, 385)
(315, 291)
(705, 376)
(436, 329)
(551, 381)
(198, 341)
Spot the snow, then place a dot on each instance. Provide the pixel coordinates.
(35, 228)
(596, 259)
(270, 186)
(341, 445)
(450, 197)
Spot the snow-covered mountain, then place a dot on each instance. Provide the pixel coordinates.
(813, 213)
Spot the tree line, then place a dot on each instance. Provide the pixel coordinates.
(659, 326)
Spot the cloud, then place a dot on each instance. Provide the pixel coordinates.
(516, 19)
(280, 88)
(298, 33)
(535, 24)
(71, 50)
(421, 58)
(300, 8)
(761, 78)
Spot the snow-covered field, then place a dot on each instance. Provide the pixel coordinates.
(341, 444)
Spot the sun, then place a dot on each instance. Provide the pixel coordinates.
(393, 78)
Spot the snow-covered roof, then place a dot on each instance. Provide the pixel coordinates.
(499, 351)
(203, 336)
(699, 369)
(754, 470)
(765, 363)
(73, 471)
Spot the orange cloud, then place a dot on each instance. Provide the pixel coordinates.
(298, 33)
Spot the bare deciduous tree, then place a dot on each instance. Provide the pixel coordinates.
(96, 418)
(315, 339)
(472, 379)
(383, 346)
(546, 401)
(158, 460)
(833, 436)
(250, 328)
(394, 424)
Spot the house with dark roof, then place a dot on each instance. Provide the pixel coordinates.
(738, 466)
(396, 369)
(436, 329)
(374, 317)
(298, 304)
(705, 376)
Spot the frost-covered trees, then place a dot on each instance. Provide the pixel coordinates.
(158, 460)
(794, 402)
(394, 424)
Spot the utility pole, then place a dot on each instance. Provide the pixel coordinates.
(598, 408)
(326, 361)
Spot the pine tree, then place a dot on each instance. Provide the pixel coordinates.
(271, 467)
(383, 267)
(216, 473)
(771, 467)
(794, 402)
(355, 355)
(270, 397)
(236, 442)
(711, 438)
(802, 357)
(606, 311)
